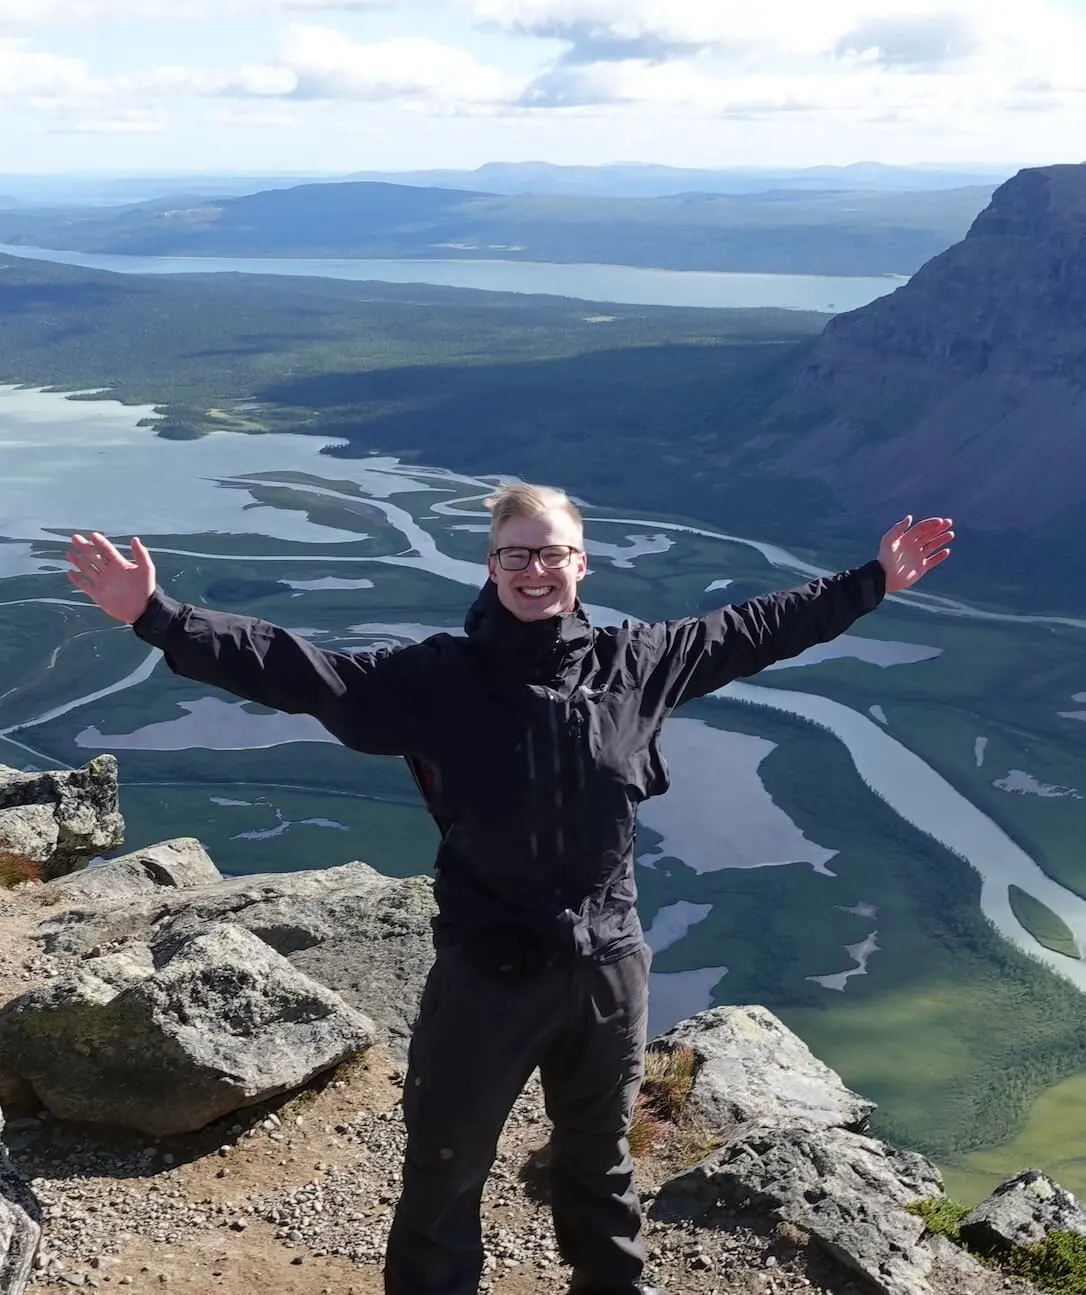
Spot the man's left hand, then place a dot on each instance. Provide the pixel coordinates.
(908, 552)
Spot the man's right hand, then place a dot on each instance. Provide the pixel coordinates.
(121, 588)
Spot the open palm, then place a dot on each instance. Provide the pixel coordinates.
(908, 552)
(122, 588)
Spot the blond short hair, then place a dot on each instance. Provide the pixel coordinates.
(523, 500)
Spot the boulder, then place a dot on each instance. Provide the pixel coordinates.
(60, 820)
(20, 1227)
(362, 934)
(752, 1067)
(178, 864)
(848, 1191)
(1022, 1211)
(166, 1038)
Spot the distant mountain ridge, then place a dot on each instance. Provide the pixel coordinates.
(648, 180)
(615, 180)
(828, 233)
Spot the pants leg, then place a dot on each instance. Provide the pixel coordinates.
(591, 1074)
(476, 1042)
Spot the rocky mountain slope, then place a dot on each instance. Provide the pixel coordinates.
(964, 391)
(201, 1079)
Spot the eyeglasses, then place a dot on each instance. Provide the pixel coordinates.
(551, 556)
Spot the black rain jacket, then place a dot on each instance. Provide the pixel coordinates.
(533, 743)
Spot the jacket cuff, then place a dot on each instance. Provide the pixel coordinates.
(872, 583)
(155, 621)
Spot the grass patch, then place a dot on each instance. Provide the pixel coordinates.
(661, 1122)
(16, 868)
(645, 1130)
(669, 1078)
(1046, 927)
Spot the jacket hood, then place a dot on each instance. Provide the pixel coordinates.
(545, 648)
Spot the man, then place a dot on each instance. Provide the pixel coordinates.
(533, 739)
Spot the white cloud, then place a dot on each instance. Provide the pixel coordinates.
(322, 63)
(118, 121)
(25, 13)
(926, 62)
(933, 65)
(30, 75)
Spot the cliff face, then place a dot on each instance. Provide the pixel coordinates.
(965, 390)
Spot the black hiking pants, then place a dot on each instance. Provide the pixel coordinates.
(479, 1036)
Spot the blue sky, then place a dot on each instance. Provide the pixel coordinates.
(301, 85)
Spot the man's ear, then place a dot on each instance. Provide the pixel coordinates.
(492, 567)
(582, 565)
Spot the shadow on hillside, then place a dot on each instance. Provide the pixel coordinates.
(664, 427)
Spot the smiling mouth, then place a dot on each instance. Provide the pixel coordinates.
(536, 592)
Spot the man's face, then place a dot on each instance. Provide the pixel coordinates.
(538, 591)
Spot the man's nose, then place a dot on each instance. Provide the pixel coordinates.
(535, 566)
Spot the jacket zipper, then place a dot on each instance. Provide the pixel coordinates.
(533, 838)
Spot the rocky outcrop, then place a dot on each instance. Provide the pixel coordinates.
(171, 997)
(794, 1149)
(752, 1067)
(178, 864)
(166, 1037)
(355, 931)
(1022, 1211)
(848, 1191)
(59, 821)
(20, 1227)
(933, 398)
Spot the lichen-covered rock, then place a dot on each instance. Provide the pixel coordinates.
(165, 1039)
(848, 1191)
(356, 931)
(61, 819)
(752, 1067)
(178, 864)
(1022, 1211)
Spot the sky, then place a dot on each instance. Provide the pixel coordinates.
(305, 86)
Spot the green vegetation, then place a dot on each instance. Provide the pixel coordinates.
(1056, 1263)
(962, 1040)
(642, 412)
(856, 233)
(1052, 1135)
(942, 1216)
(1042, 923)
(953, 1032)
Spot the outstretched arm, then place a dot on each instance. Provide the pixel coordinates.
(370, 701)
(703, 653)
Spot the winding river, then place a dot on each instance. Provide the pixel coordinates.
(84, 490)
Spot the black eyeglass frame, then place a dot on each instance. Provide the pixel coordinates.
(570, 551)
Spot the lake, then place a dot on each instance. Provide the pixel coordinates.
(834, 831)
(622, 284)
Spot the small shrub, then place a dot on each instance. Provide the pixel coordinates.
(1057, 1263)
(16, 868)
(669, 1077)
(941, 1215)
(645, 1130)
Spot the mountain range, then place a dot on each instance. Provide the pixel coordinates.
(616, 180)
(828, 232)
